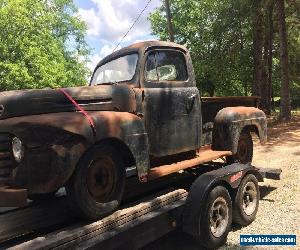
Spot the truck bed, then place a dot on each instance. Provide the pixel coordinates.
(210, 106)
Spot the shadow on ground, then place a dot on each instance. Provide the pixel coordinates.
(264, 191)
(283, 133)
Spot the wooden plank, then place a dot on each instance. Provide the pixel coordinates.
(90, 234)
(146, 229)
(204, 155)
(34, 218)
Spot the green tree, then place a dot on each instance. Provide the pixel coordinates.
(285, 106)
(235, 45)
(42, 44)
(218, 35)
(292, 13)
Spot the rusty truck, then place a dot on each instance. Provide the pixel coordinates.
(141, 116)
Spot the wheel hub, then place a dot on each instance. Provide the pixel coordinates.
(249, 198)
(101, 178)
(219, 217)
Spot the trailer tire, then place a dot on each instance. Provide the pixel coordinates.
(97, 185)
(215, 223)
(244, 152)
(246, 201)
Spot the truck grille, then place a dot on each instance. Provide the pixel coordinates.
(6, 158)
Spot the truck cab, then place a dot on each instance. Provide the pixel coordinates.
(176, 118)
(167, 98)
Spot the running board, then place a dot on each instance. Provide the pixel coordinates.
(206, 154)
(12, 197)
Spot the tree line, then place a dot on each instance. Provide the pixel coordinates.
(42, 44)
(239, 47)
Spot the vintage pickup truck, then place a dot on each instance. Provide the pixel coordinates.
(141, 115)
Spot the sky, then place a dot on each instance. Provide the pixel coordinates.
(108, 20)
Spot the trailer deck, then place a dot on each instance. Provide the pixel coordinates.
(147, 221)
(51, 226)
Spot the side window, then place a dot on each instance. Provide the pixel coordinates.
(166, 66)
(151, 73)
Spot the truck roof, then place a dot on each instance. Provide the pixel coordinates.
(141, 47)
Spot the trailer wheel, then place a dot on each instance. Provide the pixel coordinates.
(244, 152)
(246, 201)
(97, 186)
(216, 219)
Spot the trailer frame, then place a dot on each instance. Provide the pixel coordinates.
(146, 221)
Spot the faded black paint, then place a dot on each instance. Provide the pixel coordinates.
(229, 123)
(34, 102)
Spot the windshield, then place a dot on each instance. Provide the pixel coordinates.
(118, 70)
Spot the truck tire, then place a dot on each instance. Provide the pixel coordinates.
(215, 223)
(246, 201)
(96, 188)
(244, 153)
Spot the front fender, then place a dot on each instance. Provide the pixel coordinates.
(229, 123)
(128, 128)
(55, 142)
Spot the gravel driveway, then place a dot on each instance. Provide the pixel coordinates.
(279, 208)
(279, 211)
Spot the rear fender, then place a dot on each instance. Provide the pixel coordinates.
(229, 123)
(229, 176)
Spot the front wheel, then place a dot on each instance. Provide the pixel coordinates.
(246, 201)
(97, 186)
(216, 220)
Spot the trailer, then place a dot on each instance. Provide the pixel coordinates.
(136, 224)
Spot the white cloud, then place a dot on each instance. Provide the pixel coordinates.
(110, 19)
(95, 59)
(93, 21)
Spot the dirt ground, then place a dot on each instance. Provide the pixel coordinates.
(279, 210)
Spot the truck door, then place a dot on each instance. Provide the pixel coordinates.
(171, 103)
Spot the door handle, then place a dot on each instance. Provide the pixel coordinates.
(192, 97)
(190, 103)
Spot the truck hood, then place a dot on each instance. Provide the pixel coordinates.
(117, 97)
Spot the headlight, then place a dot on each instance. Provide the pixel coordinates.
(18, 149)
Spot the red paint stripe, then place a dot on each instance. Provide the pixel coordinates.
(81, 110)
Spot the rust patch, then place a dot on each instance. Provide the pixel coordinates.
(205, 155)
(12, 197)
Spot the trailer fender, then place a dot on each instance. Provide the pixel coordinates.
(229, 176)
(229, 123)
